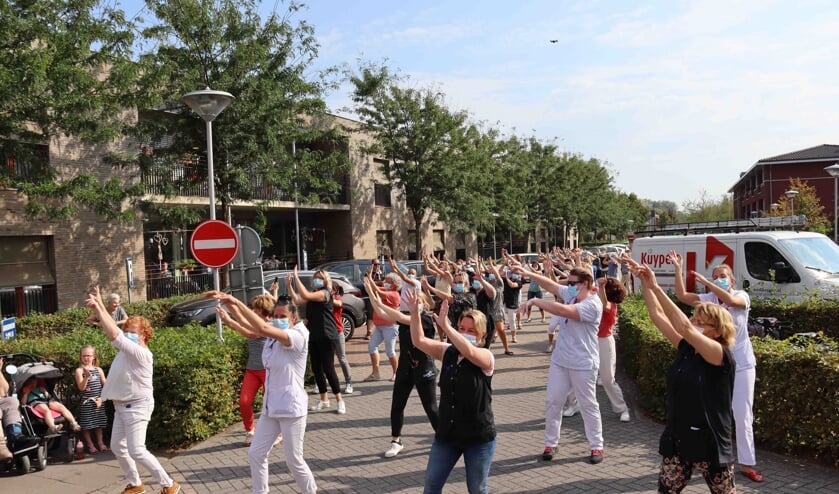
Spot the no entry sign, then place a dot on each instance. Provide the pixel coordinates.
(214, 243)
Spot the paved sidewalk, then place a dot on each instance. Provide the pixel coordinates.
(346, 452)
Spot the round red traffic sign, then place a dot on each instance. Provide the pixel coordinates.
(214, 243)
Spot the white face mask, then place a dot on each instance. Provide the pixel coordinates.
(472, 339)
(132, 337)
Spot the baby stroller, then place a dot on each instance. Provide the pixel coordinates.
(38, 444)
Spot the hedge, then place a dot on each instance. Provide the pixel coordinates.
(796, 402)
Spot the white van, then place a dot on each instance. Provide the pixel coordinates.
(768, 264)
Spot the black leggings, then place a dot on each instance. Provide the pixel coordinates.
(322, 354)
(427, 391)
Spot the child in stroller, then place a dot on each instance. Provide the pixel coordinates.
(35, 394)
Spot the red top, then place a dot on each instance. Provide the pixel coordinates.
(607, 321)
(338, 312)
(391, 299)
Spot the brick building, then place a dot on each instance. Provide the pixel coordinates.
(766, 181)
(47, 266)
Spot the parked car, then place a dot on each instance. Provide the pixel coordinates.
(354, 270)
(202, 310)
(420, 267)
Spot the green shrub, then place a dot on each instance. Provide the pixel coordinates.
(796, 402)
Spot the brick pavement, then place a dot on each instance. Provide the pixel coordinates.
(346, 452)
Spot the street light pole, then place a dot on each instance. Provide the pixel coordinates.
(209, 104)
(296, 207)
(833, 170)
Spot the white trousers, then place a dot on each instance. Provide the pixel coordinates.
(128, 441)
(608, 362)
(561, 381)
(267, 430)
(511, 318)
(741, 405)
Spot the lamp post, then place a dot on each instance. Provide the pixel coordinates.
(296, 207)
(833, 170)
(791, 196)
(209, 104)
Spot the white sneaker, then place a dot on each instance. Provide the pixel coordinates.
(320, 406)
(348, 389)
(550, 348)
(279, 439)
(342, 408)
(599, 382)
(625, 415)
(571, 411)
(248, 438)
(395, 448)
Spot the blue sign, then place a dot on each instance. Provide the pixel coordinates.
(9, 330)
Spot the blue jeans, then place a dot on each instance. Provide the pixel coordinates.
(443, 457)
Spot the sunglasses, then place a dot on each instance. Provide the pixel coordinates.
(575, 283)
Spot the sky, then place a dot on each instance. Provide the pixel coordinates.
(676, 97)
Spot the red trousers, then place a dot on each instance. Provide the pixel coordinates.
(253, 380)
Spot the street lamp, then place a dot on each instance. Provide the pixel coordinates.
(791, 196)
(209, 104)
(833, 170)
(305, 264)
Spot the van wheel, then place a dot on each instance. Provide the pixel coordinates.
(41, 460)
(22, 464)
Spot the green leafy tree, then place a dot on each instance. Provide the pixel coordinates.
(806, 203)
(707, 208)
(65, 70)
(430, 154)
(272, 135)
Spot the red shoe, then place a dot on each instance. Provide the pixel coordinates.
(596, 456)
(753, 475)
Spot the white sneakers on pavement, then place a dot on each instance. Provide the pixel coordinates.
(342, 407)
(625, 415)
(571, 411)
(248, 438)
(395, 448)
(348, 390)
(320, 406)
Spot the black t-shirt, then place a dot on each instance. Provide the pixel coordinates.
(512, 295)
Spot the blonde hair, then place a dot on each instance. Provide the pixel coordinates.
(263, 305)
(95, 354)
(479, 320)
(327, 280)
(718, 317)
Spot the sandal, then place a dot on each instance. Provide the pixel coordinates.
(372, 378)
(753, 475)
(92, 450)
(508, 352)
(103, 448)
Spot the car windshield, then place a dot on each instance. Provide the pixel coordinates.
(818, 253)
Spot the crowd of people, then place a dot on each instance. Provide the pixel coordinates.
(453, 323)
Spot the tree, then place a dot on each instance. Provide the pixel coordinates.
(707, 209)
(224, 44)
(64, 70)
(428, 152)
(806, 203)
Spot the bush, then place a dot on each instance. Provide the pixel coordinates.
(196, 378)
(796, 402)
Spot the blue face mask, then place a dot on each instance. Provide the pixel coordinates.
(573, 291)
(722, 283)
(515, 277)
(132, 337)
(386, 286)
(472, 339)
(317, 283)
(458, 287)
(491, 277)
(412, 276)
(476, 285)
(280, 323)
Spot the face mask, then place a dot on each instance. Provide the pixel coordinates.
(722, 283)
(491, 277)
(573, 291)
(472, 339)
(281, 322)
(458, 287)
(132, 337)
(317, 283)
(515, 277)
(476, 285)
(412, 276)
(386, 286)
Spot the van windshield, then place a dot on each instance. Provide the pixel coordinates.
(818, 253)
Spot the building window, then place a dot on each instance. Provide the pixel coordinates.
(382, 192)
(439, 242)
(21, 160)
(27, 282)
(384, 242)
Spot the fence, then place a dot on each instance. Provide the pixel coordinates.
(22, 301)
